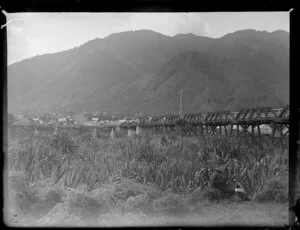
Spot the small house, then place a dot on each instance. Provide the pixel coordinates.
(61, 120)
(95, 119)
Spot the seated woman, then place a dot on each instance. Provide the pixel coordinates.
(217, 181)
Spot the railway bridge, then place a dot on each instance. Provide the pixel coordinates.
(246, 122)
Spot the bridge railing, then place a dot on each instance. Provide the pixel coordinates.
(259, 115)
(262, 115)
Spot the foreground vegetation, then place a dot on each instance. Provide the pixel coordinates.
(53, 179)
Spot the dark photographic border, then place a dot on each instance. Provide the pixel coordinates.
(14, 6)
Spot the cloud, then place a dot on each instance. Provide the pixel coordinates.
(42, 33)
(17, 44)
(170, 23)
(20, 45)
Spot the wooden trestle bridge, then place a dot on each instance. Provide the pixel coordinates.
(246, 122)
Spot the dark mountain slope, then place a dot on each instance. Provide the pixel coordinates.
(143, 71)
(208, 84)
(87, 83)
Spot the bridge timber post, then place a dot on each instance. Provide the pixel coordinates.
(95, 133)
(140, 130)
(137, 130)
(130, 132)
(258, 130)
(112, 134)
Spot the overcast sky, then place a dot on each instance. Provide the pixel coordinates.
(40, 33)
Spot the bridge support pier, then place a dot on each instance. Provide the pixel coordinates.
(130, 132)
(258, 130)
(112, 134)
(95, 133)
(138, 130)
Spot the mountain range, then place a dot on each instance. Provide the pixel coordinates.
(143, 71)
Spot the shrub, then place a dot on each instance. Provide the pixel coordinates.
(152, 191)
(104, 193)
(125, 188)
(60, 215)
(36, 199)
(86, 206)
(275, 190)
(52, 198)
(139, 203)
(195, 196)
(63, 142)
(171, 204)
(54, 195)
(26, 202)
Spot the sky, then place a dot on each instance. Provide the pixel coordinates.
(31, 34)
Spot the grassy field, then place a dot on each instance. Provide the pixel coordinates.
(74, 179)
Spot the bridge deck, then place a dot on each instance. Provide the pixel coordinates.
(250, 116)
(244, 122)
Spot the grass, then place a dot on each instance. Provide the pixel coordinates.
(90, 178)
